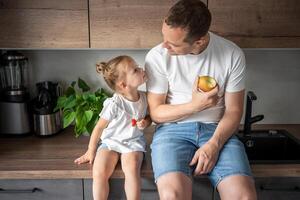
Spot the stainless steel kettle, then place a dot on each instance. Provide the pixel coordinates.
(46, 121)
(47, 124)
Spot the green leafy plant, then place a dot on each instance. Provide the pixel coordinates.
(81, 106)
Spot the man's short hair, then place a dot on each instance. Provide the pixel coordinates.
(192, 15)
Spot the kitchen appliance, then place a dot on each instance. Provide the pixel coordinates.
(46, 121)
(14, 98)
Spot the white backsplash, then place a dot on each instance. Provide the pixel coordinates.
(273, 74)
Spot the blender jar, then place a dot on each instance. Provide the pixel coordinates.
(15, 72)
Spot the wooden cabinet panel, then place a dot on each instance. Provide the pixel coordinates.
(256, 23)
(127, 23)
(137, 24)
(44, 24)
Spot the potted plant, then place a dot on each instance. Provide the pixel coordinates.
(81, 106)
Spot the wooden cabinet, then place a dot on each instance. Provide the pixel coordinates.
(137, 23)
(127, 23)
(249, 23)
(256, 23)
(41, 189)
(44, 24)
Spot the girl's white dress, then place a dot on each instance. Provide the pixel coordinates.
(120, 135)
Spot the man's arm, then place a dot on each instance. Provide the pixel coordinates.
(207, 155)
(161, 112)
(234, 104)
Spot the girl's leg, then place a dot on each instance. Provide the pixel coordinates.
(131, 166)
(104, 165)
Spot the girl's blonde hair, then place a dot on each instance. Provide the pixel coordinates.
(113, 70)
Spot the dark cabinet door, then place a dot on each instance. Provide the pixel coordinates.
(148, 187)
(202, 189)
(276, 189)
(41, 189)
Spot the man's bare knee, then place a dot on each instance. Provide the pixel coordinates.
(237, 187)
(168, 193)
(175, 186)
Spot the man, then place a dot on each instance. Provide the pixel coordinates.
(195, 131)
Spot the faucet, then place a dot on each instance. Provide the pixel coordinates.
(248, 119)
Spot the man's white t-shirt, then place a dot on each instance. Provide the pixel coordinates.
(120, 135)
(174, 75)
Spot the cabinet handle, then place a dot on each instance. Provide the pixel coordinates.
(20, 191)
(149, 190)
(291, 189)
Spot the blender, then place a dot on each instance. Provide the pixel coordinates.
(14, 98)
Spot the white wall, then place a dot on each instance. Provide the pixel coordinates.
(273, 74)
(67, 65)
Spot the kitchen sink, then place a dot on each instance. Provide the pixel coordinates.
(271, 147)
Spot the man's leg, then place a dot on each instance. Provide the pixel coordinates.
(175, 186)
(232, 173)
(237, 187)
(173, 147)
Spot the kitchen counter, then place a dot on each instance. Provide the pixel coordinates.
(30, 157)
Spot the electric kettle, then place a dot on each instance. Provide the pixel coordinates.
(46, 121)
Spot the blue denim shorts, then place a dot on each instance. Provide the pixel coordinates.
(175, 144)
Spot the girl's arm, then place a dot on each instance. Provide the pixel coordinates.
(144, 123)
(92, 147)
(148, 121)
(96, 134)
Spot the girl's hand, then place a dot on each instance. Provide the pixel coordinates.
(88, 157)
(141, 124)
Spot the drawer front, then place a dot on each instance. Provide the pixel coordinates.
(41, 189)
(115, 186)
(202, 189)
(276, 188)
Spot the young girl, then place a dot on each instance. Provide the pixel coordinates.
(120, 126)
